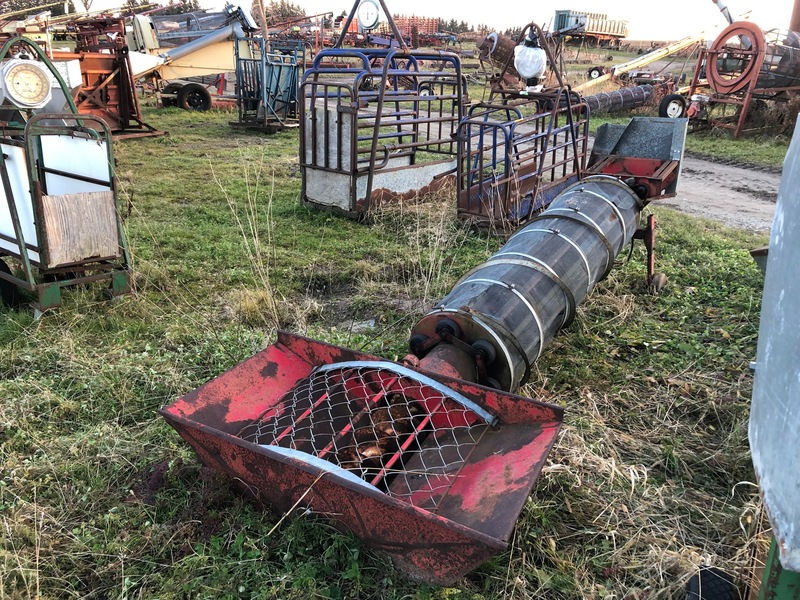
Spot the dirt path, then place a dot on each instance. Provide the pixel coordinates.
(735, 196)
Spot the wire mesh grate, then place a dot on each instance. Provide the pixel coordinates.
(392, 428)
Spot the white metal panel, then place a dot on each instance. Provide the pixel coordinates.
(70, 71)
(775, 412)
(332, 136)
(81, 156)
(59, 185)
(329, 189)
(20, 186)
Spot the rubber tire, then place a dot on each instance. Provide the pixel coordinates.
(667, 108)
(9, 294)
(194, 96)
(595, 72)
(711, 583)
(171, 88)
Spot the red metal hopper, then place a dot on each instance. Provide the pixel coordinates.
(431, 471)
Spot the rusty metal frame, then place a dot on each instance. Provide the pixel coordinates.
(516, 156)
(518, 150)
(108, 89)
(378, 124)
(741, 90)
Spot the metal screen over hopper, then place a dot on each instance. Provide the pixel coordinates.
(371, 423)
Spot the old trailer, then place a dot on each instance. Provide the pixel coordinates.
(596, 27)
(169, 49)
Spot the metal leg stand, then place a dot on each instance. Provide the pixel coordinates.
(648, 235)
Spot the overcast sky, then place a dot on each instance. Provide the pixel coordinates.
(647, 19)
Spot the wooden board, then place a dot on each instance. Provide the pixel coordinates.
(80, 227)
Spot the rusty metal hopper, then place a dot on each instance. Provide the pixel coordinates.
(429, 470)
(648, 150)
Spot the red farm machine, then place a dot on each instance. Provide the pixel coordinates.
(430, 460)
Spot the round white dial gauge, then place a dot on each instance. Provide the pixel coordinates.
(368, 14)
(26, 83)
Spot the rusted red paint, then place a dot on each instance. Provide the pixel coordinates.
(463, 525)
(654, 174)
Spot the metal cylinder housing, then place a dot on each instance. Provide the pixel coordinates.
(621, 99)
(520, 297)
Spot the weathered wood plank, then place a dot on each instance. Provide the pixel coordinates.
(80, 227)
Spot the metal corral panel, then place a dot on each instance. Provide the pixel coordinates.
(377, 125)
(515, 158)
(267, 82)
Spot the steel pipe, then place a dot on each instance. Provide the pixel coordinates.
(505, 311)
(234, 30)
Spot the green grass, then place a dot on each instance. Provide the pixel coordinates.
(759, 149)
(99, 498)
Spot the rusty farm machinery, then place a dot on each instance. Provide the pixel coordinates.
(59, 221)
(171, 52)
(430, 460)
(743, 70)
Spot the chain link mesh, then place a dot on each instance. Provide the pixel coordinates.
(400, 435)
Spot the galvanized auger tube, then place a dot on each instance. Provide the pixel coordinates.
(499, 317)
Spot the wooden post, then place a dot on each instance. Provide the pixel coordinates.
(264, 29)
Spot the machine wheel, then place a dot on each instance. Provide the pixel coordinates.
(595, 72)
(170, 88)
(9, 295)
(672, 106)
(194, 96)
